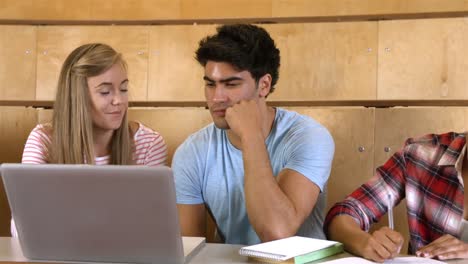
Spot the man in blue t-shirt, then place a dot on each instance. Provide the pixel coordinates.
(260, 171)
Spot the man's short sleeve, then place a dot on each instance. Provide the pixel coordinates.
(187, 174)
(311, 150)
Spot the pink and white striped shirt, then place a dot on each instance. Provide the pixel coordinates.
(150, 148)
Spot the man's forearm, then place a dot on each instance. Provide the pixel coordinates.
(271, 212)
(192, 219)
(344, 229)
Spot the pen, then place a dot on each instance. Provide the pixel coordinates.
(390, 211)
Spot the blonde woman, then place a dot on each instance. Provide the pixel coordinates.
(89, 124)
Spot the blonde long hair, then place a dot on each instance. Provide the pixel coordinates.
(72, 126)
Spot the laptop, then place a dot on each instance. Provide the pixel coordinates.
(95, 213)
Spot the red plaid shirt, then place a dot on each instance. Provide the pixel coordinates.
(424, 173)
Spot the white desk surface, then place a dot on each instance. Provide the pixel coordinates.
(10, 252)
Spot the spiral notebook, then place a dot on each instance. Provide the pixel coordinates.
(295, 250)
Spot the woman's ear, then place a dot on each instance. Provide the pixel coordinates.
(264, 84)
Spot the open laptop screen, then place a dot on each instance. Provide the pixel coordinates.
(95, 213)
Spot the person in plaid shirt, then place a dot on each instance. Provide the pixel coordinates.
(429, 172)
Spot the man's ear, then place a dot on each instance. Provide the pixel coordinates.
(264, 85)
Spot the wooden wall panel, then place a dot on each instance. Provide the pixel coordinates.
(44, 116)
(135, 10)
(56, 10)
(15, 125)
(56, 42)
(18, 62)
(174, 74)
(352, 129)
(326, 61)
(423, 59)
(45, 9)
(394, 125)
(174, 124)
(213, 9)
(323, 8)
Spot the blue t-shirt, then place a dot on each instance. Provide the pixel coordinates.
(209, 169)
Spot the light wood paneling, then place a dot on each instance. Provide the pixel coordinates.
(135, 10)
(394, 125)
(423, 59)
(323, 8)
(45, 9)
(15, 125)
(44, 116)
(210, 9)
(326, 61)
(18, 62)
(56, 42)
(174, 124)
(352, 129)
(227, 9)
(174, 74)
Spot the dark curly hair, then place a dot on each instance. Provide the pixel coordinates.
(246, 47)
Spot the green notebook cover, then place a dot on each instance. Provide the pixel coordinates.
(323, 253)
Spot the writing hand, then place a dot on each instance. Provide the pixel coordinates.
(383, 244)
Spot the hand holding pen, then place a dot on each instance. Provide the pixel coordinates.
(385, 243)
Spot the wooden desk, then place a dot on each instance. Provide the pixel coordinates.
(10, 252)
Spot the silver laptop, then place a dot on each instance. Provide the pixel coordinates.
(95, 213)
